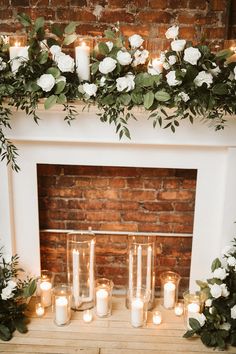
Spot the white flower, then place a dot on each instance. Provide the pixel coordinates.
(5, 39)
(11, 284)
(178, 45)
(140, 57)
(61, 78)
(226, 326)
(211, 310)
(110, 45)
(7, 293)
(124, 58)
(171, 79)
(3, 65)
(55, 50)
(102, 81)
(136, 40)
(233, 312)
(107, 65)
(172, 32)
(203, 78)
(90, 89)
(166, 65)
(191, 55)
(215, 71)
(46, 82)
(65, 63)
(125, 83)
(156, 67)
(208, 302)
(200, 317)
(235, 73)
(172, 59)
(220, 273)
(231, 261)
(228, 250)
(44, 45)
(215, 290)
(184, 96)
(225, 291)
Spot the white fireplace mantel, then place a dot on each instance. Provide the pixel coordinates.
(89, 142)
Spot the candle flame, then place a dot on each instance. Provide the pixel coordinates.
(17, 44)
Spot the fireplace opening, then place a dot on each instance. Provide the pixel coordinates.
(116, 201)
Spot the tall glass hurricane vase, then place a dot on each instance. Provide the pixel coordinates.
(141, 267)
(80, 269)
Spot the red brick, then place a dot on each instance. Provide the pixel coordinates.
(173, 195)
(171, 184)
(186, 18)
(154, 17)
(39, 3)
(199, 4)
(138, 216)
(130, 29)
(158, 4)
(20, 2)
(78, 3)
(101, 194)
(135, 183)
(185, 229)
(137, 195)
(188, 33)
(48, 14)
(117, 183)
(119, 227)
(103, 216)
(153, 183)
(189, 184)
(176, 218)
(178, 4)
(148, 227)
(91, 29)
(214, 32)
(4, 3)
(158, 206)
(109, 16)
(183, 206)
(219, 5)
(75, 14)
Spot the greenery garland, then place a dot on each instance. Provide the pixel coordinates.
(191, 80)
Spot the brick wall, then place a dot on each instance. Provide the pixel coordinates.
(150, 18)
(232, 20)
(117, 199)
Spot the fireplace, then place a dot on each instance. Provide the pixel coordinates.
(89, 142)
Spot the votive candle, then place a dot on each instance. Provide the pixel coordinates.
(157, 317)
(169, 295)
(87, 316)
(17, 54)
(61, 310)
(137, 308)
(46, 293)
(102, 302)
(179, 309)
(82, 56)
(39, 309)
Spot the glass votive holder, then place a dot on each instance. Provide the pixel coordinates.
(62, 304)
(179, 309)
(192, 305)
(169, 288)
(103, 297)
(45, 287)
(39, 309)
(157, 317)
(87, 316)
(139, 298)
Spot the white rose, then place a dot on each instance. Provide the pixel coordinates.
(225, 291)
(140, 57)
(226, 326)
(125, 83)
(233, 312)
(171, 79)
(235, 73)
(7, 293)
(5, 39)
(107, 65)
(231, 261)
(65, 63)
(110, 45)
(172, 32)
(191, 55)
(11, 284)
(178, 45)
(90, 89)
(172, 59)
(136, 40)
(46, 82)
(184, 96)
(215, 71)
(124, 58)
(55, 50)
(220, 273)
(228, 250)
(208, 302)
(203, 78)
(200, 317)
(166, 65)
(3, 65)
(102, 81)
(215, 290)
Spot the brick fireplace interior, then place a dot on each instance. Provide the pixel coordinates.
(117, 199)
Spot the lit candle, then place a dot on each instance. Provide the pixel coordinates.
(17, 54)
(149, 260)
(157, 317)
(82, 55)
(169, 295)
(179, 309)
(157, 65)
(139, 267)
(102, 302)
(91, 271)
(46, 293)
(87, 316)
(76, 285)
(137, 312)
(61, 310)
(39, 309)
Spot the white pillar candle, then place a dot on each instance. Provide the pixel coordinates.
(87, 316)
(82, 56)
(156, 318)
(149, 268)
(137, 312)
(102, 302)
(191, 310)
(39, 310)
(179, 309)
(139, 267)
(91, 271)
(75, 284)
(169, 295)
(17, 55)
(46, 293)
(130, 273)
(157, 65)
(61, 310)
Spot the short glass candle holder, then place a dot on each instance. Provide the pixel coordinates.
(39, 309)
(139, 298)
(156, 317)
(169, 288)
(62, 305)
(179, 309)
(103, 297)
(192, 305)
(87, 316)
(45, 288)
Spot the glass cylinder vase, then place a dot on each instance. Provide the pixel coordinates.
(139, 299)
(80, 269)
(45, 288)
(141, 267)
(169, 288)
(103, 297)
(62, 305)
(192, 306)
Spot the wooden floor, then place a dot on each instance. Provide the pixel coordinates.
(113, 335)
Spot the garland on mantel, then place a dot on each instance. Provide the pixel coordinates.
(191, 79)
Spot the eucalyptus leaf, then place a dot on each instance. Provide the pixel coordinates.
(24, 19)
(148, 99)
(224, 54)
(162, 96)
(61, 98)
(215, 264)
(39, 23)
(194, 324)
(5, 333)
(103, 48)
(50, 101)
(109, 34)
(55, 72)
(43, 57)
(70, 28)
(60, 87)
(57, 30)
(20, 325)
(70, 39)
